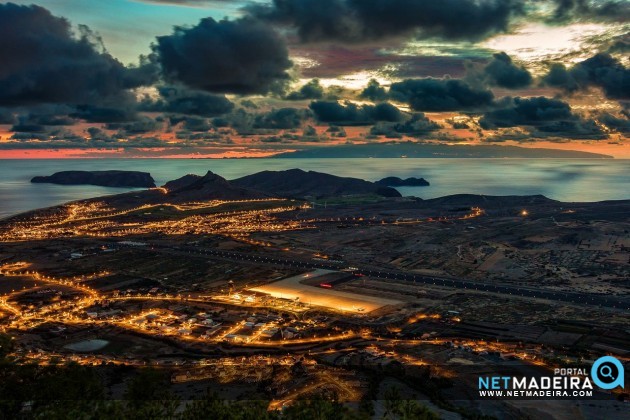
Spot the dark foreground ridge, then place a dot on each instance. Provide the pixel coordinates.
(100, 178)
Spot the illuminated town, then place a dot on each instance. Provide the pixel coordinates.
(293, 298)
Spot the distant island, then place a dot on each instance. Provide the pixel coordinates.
(299, 184)
(265, 185)
(99, 178)
(432, 150)
(294, 183)
(394, 181)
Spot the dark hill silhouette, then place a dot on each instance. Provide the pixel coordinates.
(208, 187)
(298, 183)
(394, 181)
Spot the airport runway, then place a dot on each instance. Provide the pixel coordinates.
(293, 288)
(602, 301)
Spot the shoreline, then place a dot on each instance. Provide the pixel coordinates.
(6, 218)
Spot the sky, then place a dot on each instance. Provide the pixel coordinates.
(219, 78)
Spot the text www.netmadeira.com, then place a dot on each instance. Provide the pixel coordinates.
(535, 393)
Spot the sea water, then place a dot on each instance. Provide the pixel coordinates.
(570, 180)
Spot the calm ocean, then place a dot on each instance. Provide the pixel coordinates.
(560, 179)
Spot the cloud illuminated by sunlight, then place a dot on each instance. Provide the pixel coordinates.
(355, 81)
(537, 42)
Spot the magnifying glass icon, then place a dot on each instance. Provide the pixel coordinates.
(606, 372)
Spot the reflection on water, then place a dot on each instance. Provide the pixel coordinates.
(560, 179)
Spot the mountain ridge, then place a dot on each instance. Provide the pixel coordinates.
(299, 184)
(432, 150)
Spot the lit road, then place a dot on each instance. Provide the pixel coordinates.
(603, 301)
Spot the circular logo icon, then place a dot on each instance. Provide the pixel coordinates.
(608, 373)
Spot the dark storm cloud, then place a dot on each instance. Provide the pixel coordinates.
(620, 124)
(246, 123)
(93, 137)
(43, 61)
(417, 126)
(63, 134)
(28, 128)
(578, 129)
(288, 138)
(527, 111)
(141, 126)
(97, 134)
(579, 10)
(440, 94)
(351, 114)
(547, 117)
(283, 118)
(38, 116)
(240, 120)
(141, 141)
(58, 135)
(185, 101)
(53, 120)
(311, 90)
(202, 138)
(365, 20)
(601, 70)
(104, 114)
(198, 125)
(7, 116)
(374, 92)
(560, 76)
(242, 56)
(100, 138)
(194, 124)
(27, 136)
(502, 72)
(458, 125)
(335, 131)
(509, 134)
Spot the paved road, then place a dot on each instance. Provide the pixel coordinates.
(604, 301)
